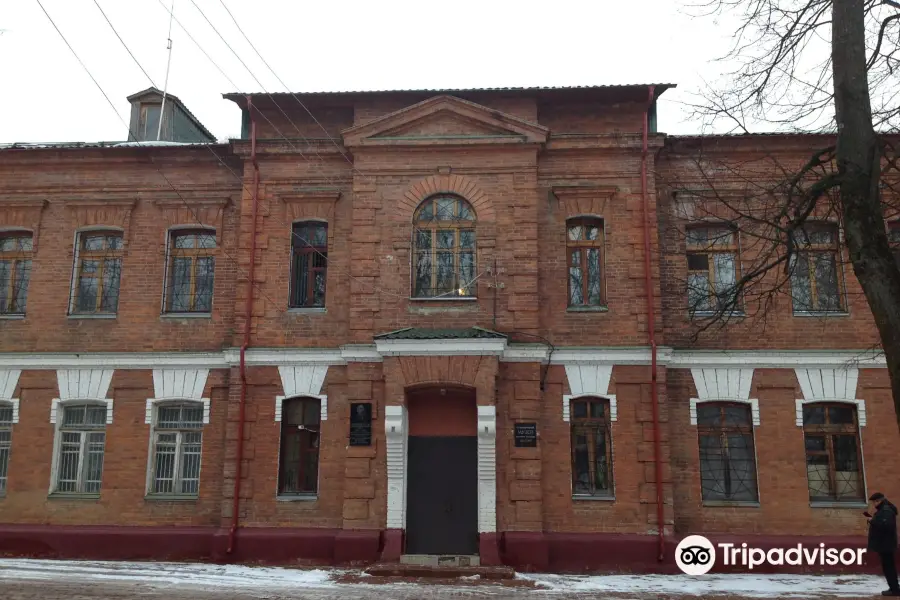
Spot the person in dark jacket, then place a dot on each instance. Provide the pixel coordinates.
(883, 540)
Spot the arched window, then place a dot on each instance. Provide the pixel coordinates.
(190, 271)
(98, 271)
(81, 441)
(309, 264)
(15, 271)
(176, 444)
(444, 248)
(298, 469)
(7, 410)
(833, 465)
(592, 471)
(584, 247)
(727, 454)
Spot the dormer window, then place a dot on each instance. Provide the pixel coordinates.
(150, 121)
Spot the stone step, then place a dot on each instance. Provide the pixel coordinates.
(440, 572)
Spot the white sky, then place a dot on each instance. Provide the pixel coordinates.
(332, 46)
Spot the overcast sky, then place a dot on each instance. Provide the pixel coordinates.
(334, 46)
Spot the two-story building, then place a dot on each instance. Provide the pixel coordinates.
(407, 324)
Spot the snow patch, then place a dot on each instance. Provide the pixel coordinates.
(753, 586)
(153, 143)
(166, 573)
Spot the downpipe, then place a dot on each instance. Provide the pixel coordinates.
(651, 328)
(248, 315)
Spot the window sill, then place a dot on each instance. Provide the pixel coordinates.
(12, 317)
(594, 498)
(828, 314)
(711, 314)
(93, 316)
(297, 498)
(825, 504)
(729, 503)
(170, 498)
(66, 496)
(446, 299)
(587, 309)
(197, 315)
(312, 310)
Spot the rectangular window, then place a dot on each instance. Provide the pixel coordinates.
(713, 268)
(98, 271)
(815, 269)
(309, 264)
(177, 441)
(298, 472)
(191, 268)
(584, 248)
(894, 239)
(15, 271)
(150, 121)
(82, 437)
(831, 437)
(727, 455)
(591, 448)
(6, 423)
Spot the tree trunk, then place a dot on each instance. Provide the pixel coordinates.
(858, 164)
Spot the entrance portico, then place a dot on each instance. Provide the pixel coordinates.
(425, 437)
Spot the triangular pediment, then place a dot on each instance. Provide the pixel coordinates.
(445, 120)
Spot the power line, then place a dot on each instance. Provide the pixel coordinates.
(171, 185)
(97, 4)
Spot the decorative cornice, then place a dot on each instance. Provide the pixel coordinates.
(218, 200)
(584, 191)
(120, 360)
(308, 195)
(457, 347)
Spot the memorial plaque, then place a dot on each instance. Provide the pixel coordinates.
(361, 424)
(526, 435)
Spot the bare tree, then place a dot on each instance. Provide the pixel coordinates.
(831, 70)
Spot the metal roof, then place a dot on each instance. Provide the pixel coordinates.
(660, 88)
(91, 145)
(427, 333)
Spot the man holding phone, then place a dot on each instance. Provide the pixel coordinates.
(883, 539)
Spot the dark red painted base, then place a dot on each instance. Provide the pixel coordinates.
(268, 545)
(622, 553)
(393, 545)
(489, 549)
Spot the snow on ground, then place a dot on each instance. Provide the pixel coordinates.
(237, 577)
(206, 575)
(751, 586)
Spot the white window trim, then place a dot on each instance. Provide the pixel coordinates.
(753, 402)
(860, 409)
(150, 419)
(613, 406)
(57, 430)
(323, 405)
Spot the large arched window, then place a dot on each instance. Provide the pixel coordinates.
(444, 248)
(298, 468)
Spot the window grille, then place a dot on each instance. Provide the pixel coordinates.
(191, 270)
(309, 264)
(727, 454)
(6, 423)
(833, 465)
(444, 249)
(98, 271)
(15, 271)
(585, 250)
(177, 443)
(82, 439)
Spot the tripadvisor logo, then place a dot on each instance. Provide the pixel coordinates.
(696, 555)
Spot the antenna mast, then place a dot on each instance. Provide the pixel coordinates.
(162, 109)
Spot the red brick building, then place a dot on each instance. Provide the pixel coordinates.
(391, 324)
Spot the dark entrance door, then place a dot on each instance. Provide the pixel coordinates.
(442, 495)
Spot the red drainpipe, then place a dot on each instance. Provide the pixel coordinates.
(248, 312)
(651, 326)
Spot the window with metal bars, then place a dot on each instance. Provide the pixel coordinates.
(190, 271)
(585, 250)
(833, 453)
(592, 471)
(309, 264)
(444, 248)
(81, 442)
(6, 425)
(816, 283)
(177, 442)
(15, 271)
(98, 271)
(298, 469)
(727, 455)
(713, 268)
(894, 239)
